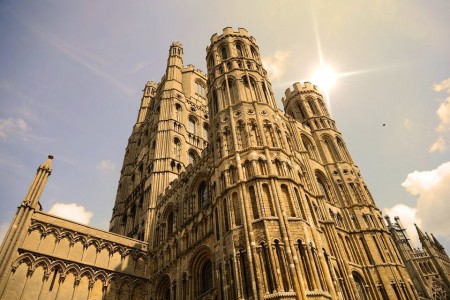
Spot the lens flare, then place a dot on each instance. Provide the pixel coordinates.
(325, 77)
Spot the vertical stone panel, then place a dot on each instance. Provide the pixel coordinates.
(90, 254)
(82, 290)
(16, 283)
(66, 287)
(48, 244)
(32, 240)
(34, 284)
(102, 258)
(97, 291)
(62, 247)
(76, 252)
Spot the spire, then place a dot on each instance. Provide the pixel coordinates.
(422, 236)
(175, 63)
(436, 242)
(38, 184)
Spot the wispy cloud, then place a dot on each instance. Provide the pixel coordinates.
(443, 85)
(443, 113)
(106, 165)
(12, 126)
(276, 64)
(71, 211)
(80, 55)
(140, 66)
(440, 145)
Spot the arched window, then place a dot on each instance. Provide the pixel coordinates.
(200, 89)
(192, 154)
(332, 149)
(233, 174)
(192, 126)
(287, 197)
(224, 52)
(323, 188)
(237, 209)
(205, 131)
(177, 148)
(203, 198)
(300, 204)
(206, 277)
(267, 269)
(254, 53)
(309, 147)
(170, 224)
(178, 111)
(283, 268)
(313, 106)
(230, 86)
(239, 50)
(267, 199)
(255, 210)
(343, 149)
(359, 286)
(301, 111)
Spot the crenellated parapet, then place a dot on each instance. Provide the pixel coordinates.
(228, 31)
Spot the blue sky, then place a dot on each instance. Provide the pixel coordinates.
(72, 72)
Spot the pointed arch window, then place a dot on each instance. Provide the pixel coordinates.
(224, 52)
(178, 111)
(192, 126)
(237, 209)
(177, 148)
(205, 131)
(324, 188)
(253, 200)
(239, 50)
(203, 197)
(359, 286)
(206, 277)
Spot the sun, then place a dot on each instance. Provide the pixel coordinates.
(324, 77)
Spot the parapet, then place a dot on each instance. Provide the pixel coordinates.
(151, 83)
(192, 68)
(299, 88)
(229, 31)
(176, 44)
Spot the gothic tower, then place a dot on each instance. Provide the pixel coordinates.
(170, 132)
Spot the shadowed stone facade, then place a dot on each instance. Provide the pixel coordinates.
(222, 196)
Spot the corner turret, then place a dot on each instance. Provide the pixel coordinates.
(37, 186)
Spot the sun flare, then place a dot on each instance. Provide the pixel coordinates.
(325, 77)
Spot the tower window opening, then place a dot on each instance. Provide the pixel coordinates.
(239, 51)
(224, 52)
(203, 194)
(200, 89)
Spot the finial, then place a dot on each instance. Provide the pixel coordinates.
(50, 156)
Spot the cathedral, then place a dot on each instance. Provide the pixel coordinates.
(223, 195)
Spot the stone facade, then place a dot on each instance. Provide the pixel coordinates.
(222, 196)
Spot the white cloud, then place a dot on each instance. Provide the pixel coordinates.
(71, 211)
(443, 85)
(408, 218)
(440, 145)
(433, 204)
(443, 113)
(12, 126)
(105, 165)
(275, 65)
